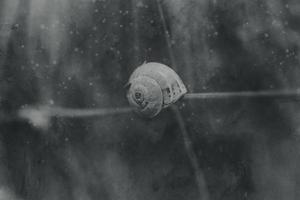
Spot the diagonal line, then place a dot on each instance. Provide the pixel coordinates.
(200, 178)
(167, 35)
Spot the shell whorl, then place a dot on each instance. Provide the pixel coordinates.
(152, 87)
(145, 96)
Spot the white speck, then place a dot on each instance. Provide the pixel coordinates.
(218, 120)
(266, 35)
(139, 4)
(38, 117)
(51, 102)
(42, 26)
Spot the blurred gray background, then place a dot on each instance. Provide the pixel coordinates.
(80, 54)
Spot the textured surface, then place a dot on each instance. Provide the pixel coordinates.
(170, 83)
(80, 53)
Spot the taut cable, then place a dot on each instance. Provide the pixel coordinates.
(245, 94)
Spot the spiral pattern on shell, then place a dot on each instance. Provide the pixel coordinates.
(152, 87)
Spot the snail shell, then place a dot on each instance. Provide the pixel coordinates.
(152, 87)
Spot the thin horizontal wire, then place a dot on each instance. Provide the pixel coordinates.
(50, 111)
(40, 116)
(73, 112)
(250, 94)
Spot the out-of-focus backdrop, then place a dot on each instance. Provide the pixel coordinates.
(80, 53)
